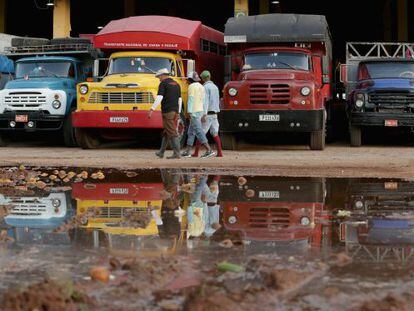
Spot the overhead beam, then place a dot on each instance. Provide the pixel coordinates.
(241, 8)
(2, 16)
(264, 7)
(129, 8)
(61, 19)
(402, 18)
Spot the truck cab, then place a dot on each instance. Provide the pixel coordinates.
(43, 93)
(125, 94)
(279, 77)
(380, 90)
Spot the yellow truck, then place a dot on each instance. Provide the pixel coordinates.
(116, 107)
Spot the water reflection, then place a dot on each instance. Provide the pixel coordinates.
(175, 211)
(380, 226)
(34, 217)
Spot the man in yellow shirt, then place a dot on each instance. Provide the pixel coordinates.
(196, 108)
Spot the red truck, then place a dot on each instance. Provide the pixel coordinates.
(279, 73)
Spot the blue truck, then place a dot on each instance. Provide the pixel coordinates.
(42, 95)
(379, 80)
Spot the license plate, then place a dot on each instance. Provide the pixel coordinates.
(391, 185)
(22, 118)
(118, 191)
(269, 195)
(118, 119)
(269, 118)
(391, 123)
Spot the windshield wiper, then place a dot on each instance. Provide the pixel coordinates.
(287, 64)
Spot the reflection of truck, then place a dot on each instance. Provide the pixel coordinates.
(117, 106)
(280, 74)
(285, 209)
(113, 203)
(43, 94)
(381, 224)
(378, 79)
(33, 218)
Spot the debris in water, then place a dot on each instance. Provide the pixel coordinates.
(227, 266)
(242, 181)
(226, 243)
(100, 274)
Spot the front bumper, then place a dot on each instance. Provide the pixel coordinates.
(233, 121)
(42, 121)
(379, 118)
(117, 119)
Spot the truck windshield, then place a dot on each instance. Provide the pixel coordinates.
(45, 69)
(276, 60)
(386, 70)
(140, 65)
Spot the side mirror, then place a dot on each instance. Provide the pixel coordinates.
(344, 73)
(190, 66)
(96, 68)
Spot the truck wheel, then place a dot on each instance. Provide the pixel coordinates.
(318, 140)
(69, 137)
(87, 139)
(228, 141)
(3, 141)
(356, 136)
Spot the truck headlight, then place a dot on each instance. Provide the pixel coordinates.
(232, 220)
(56, 203)
(305, 221)
(305, 91)
(359, 204)
(83, 89)
(359, 100)
(233, 92)
(56, 104)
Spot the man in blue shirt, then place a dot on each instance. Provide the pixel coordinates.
(210, 120)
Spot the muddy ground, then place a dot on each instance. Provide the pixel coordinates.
(335, 161)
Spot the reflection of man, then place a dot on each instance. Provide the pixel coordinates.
(196, 210)
(212, 214)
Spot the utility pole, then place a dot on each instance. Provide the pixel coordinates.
(241, 8)
(61, 19)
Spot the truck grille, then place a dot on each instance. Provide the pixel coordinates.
(27, 207)
(115, 212)
(25, 100)
(274, 94)
(269, 217)
(121, 98)
(392, 100)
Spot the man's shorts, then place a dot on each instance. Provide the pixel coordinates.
(211, 124)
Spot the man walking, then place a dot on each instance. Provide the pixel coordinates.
(196, 109)
(169, 96)
(210, 120)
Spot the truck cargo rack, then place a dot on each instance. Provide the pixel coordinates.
(380, 254)
(375, 50)
(57, 49)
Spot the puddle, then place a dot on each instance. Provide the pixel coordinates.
(176, 239)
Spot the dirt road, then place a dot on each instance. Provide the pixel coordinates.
(335, 161)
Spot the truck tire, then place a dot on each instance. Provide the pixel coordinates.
(318, 140)
(28, 41)
(3, 141)
(228, 141)
(87, 138)
(356, 136)
(66, 41)
(69, 137)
